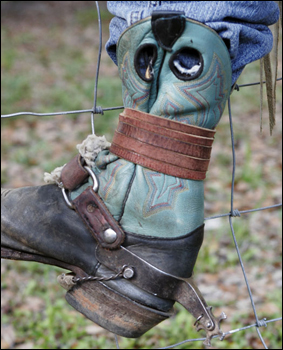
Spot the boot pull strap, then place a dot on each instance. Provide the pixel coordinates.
(74, 174)
(167, 27)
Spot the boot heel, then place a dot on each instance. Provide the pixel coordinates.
(112, 311)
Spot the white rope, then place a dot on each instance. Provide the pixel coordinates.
(91, 146)
(88, 149)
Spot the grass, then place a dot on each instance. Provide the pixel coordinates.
(56, 71)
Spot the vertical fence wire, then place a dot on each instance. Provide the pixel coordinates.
(231, 223)
(95, 111)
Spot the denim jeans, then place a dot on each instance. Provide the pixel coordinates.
(243, 25)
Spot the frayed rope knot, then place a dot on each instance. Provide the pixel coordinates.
(261, 323)
(91, 147)
(88, 149)
(66, 281)
(54, 177)
(235, 212)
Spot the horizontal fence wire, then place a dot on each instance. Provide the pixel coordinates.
(233, 213)
(237, 212)
(264, 323)
(97, 109)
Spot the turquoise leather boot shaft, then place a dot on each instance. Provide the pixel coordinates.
(189, 83)
(195, 95)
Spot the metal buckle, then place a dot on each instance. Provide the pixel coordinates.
(94, 178)
(69, 204)
(95, 186)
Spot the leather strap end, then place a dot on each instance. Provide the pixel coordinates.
(74, 174)
(156, 165)
(98, 219)
(169, 123)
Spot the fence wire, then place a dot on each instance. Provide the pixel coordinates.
(233, 211)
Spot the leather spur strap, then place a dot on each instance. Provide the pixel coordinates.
(158, 282)
(163, 145)
(90, 207)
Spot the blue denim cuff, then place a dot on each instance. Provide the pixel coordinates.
(243, 25)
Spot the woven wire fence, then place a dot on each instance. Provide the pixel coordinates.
(233, 213)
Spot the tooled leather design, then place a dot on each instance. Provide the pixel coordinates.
(200, 102)
(109, 183)
(205, 112)
(131, 83)
(161, 197)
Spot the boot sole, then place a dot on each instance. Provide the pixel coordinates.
(113, 311)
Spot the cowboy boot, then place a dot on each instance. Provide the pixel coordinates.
(137, 227)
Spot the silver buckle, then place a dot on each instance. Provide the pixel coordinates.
(94, 188)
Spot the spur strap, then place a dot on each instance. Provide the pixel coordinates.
(89, 205)
(163, 145)
(155, 281)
